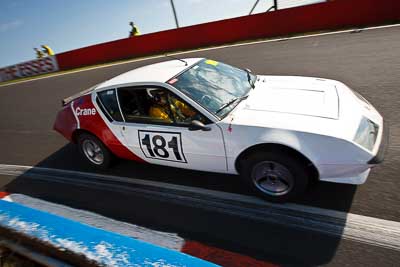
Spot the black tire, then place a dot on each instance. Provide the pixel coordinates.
(103, 162)
(280, 170)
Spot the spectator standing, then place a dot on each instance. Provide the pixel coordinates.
(47, 50)
(39, 53)
(134, 31)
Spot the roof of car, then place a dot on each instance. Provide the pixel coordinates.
(158, 72)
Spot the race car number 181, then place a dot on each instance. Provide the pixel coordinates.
(162, 145)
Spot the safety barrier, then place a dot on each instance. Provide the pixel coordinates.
(323, 16)
(329, 15)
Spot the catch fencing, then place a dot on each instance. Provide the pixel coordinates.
(322, 16)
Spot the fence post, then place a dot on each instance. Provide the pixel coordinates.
(173, 9)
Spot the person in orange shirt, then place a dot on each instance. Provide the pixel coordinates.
(168, 108)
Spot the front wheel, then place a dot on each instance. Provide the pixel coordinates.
(275, 176)
(94, 151)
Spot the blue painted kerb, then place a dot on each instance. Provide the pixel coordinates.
(102, 246)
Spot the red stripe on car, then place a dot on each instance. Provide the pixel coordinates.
(91, 121)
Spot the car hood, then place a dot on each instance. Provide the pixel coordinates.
(295, 95)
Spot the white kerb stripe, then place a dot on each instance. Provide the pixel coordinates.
(364, 229)
(163, 239)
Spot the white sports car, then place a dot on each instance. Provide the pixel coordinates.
(278, 132)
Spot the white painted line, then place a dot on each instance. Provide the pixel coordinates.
(204, 49)
(364, 229)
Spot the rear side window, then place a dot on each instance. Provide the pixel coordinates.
(108, 99)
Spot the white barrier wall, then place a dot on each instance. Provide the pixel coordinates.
(29, 68)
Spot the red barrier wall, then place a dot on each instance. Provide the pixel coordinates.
(331, 15)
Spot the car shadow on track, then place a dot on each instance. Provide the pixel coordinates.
(272, 242)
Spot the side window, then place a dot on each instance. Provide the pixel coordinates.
(136, 105)
(108, 99)
(155, 105)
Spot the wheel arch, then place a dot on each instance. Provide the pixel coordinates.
(77, 132)
(310, 167)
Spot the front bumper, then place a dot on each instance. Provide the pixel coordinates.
(379, 157)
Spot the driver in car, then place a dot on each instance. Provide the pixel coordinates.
(164, 105)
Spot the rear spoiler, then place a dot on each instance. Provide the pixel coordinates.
(67, 100)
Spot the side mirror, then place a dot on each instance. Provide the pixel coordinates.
(196, 125)
(248, 70)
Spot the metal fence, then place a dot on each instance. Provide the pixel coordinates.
(260, 6)
(271, 5)
(293, 3)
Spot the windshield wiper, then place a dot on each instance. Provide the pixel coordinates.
(230, 102)
(249, 78)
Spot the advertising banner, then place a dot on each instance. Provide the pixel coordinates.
(29, 68)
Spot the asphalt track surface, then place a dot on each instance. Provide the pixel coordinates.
(367, 61)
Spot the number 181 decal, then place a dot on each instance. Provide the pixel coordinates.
(162, 145)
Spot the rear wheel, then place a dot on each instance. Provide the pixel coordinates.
(94, 151)
(275, 176)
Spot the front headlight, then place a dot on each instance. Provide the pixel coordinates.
(366, 134)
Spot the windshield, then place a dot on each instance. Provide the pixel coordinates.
(213, 84)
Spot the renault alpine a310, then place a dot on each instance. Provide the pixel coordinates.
(279, 133)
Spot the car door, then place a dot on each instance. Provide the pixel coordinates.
(169, 141)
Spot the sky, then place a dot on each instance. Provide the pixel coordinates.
(67, 25)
